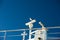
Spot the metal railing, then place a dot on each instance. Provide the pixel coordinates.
(24, 30)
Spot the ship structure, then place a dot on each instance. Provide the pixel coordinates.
(38, 33)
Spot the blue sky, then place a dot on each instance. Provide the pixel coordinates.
(15, 13)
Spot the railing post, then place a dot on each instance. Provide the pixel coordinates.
(5, 36)
(24, 34)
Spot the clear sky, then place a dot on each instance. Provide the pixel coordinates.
(15, 13)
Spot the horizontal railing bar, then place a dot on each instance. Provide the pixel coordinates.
(28, 29)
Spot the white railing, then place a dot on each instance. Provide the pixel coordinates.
(24, 34)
